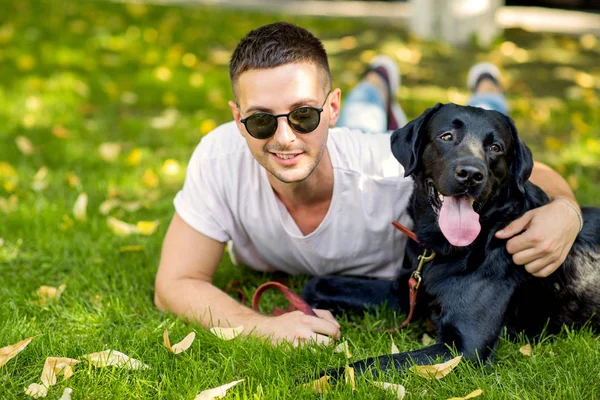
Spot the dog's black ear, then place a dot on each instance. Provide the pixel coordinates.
(522, 163)
(406, 142)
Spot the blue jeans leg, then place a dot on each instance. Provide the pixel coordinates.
(489, 101)
(364, 109)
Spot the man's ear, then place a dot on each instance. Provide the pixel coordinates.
(522, 160)
(406, 142)
(334, 106)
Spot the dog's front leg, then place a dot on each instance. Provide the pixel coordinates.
(439, 352)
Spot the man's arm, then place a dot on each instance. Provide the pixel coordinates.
(547, 232)
(184, 286)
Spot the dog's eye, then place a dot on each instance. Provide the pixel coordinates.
(495, 148)
(446, 137)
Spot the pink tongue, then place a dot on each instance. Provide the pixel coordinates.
(458, 222)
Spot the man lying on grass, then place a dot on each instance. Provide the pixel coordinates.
(291, 193)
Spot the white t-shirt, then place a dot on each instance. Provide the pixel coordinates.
(227, 196)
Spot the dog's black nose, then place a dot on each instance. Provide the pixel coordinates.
(469, 174)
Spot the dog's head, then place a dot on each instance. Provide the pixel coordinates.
(462, 158)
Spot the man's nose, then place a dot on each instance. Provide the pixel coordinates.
(284, 132)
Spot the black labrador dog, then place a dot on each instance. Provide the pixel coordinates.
(471, 173)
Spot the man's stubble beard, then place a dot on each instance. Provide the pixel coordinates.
(312, 167)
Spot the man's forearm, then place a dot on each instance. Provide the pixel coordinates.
(553, 184)
(202, 302)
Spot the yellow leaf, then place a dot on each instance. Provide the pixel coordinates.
(343, 348)
(349, 377)
(80, 207)
(109, 151)
(473, 394)
(426, 340)
(227, 333)
(55, 366)
(181, 346)
(50, 293)
(120, 228)
(8, 352)
(24, 145)
(134, 158)
(526, 350)
(73, 180)
(216, 393)
(393, 387)
(131, 248)
(7, 170)
(147, 228)
(36, 390)
(207, 125)
(437, 371)
(60, 132)
(150, 179)
(170, 167)
(114, 358)
(320, 385)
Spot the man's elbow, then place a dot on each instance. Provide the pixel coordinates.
(159, 298)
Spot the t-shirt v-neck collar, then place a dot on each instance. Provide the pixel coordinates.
(287, 221)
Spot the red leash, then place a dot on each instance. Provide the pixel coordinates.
(297, 303)
(415, 279)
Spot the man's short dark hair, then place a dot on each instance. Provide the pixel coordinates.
(278, 44)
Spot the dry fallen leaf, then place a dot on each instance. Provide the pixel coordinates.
(147, 228)
(216, 393)
(114, 358)
(120, 228)
(394, 348)
(473, 394)
(181, 346)
(109, 152)
(320, 385)
(227, 333)
(50, 293)
(343, 348)
(426, 340)
(66, 394)
(437, 371)
(8, 352)
(36, 390)
(349, 377)
(39, 179)
(24, 145)
(107, 206)
(526, 350)
(393, 387)
(80, 207)
(55, 366)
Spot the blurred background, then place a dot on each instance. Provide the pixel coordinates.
(111, 98)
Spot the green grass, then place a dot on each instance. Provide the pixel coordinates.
(74, 75)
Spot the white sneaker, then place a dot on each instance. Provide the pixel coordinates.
(389, 71)
(477, 71)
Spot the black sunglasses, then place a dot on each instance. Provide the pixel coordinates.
(302, 120)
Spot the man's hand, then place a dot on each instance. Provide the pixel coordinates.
(548, 232)
(297, 328)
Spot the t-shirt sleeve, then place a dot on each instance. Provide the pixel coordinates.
(201, 202)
